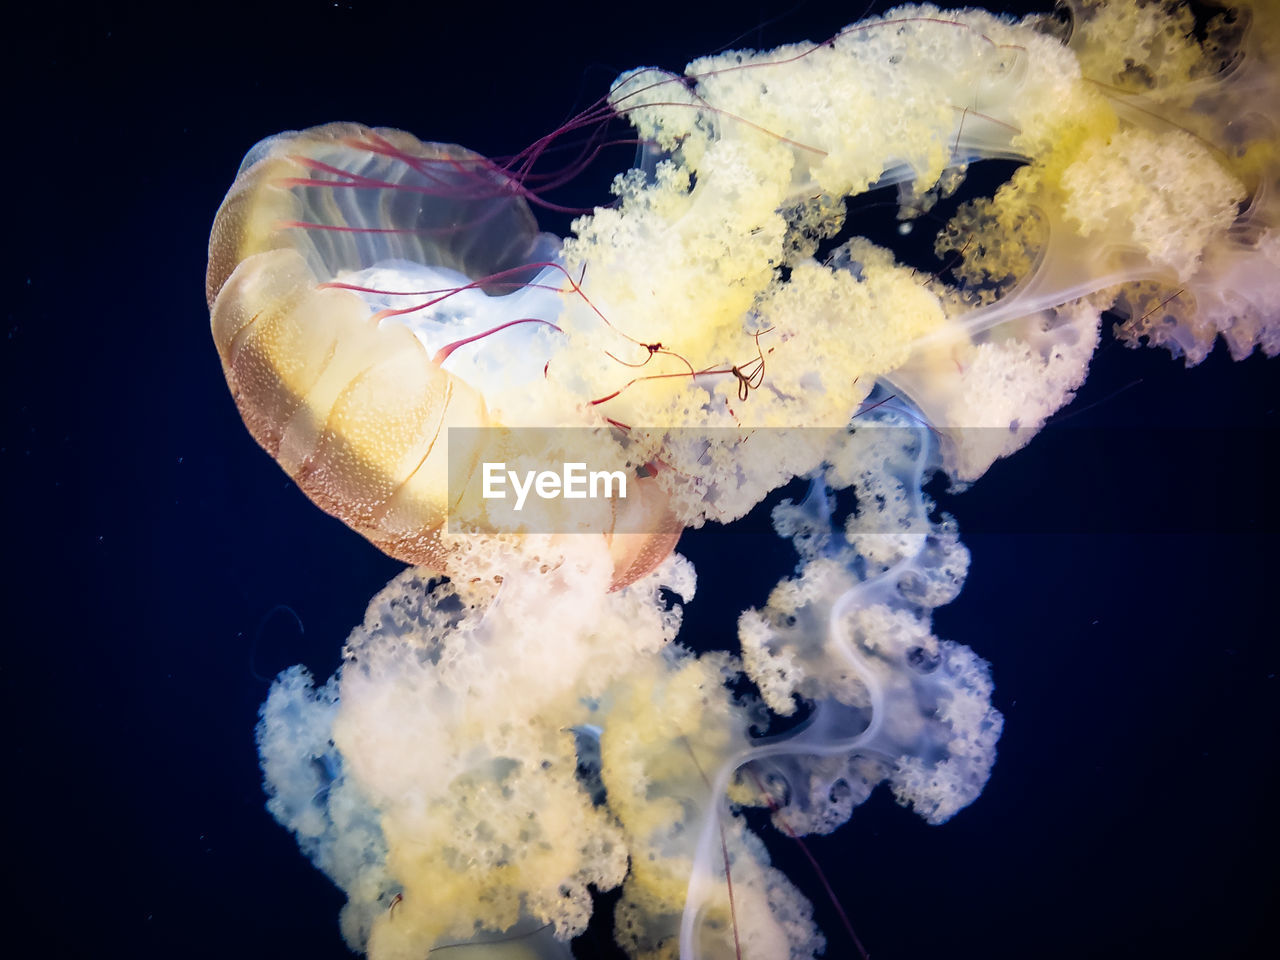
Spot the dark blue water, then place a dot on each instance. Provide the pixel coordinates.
(158, 563)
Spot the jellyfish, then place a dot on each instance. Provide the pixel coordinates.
(517, 722)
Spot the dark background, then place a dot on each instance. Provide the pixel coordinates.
(1123, 567)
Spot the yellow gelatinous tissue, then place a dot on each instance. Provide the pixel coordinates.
(515, 724)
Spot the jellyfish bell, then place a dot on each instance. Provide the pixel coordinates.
(369, 294)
